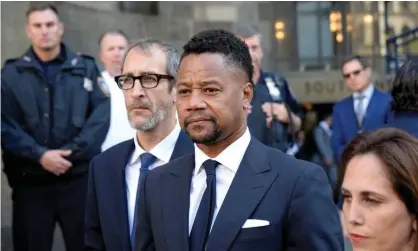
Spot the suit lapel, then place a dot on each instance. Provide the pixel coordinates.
(251, 182)
(373, 105)
(176, 201)
(351, 117)
(119, 191)
(184, 145)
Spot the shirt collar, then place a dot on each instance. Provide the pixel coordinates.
(325, 126)
(236, 149)
(110, 81)
(367, 93)
(105, 74)
(162, 150)
(61, 57)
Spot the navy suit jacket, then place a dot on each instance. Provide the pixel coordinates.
(406, 121)
(106, 218)
(344, 121)
(293, 195)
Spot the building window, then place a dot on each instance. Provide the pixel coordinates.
(405, 6)
(142, 7)
(367, 6)
(368, 34)
(314, 35)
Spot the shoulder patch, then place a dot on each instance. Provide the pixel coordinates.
(103, 86)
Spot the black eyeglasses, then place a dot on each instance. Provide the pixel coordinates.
(147, 81)
(354, 73)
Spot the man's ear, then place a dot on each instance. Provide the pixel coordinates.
(174, 94)
(61, 28)
(248, 92)
(27, 31)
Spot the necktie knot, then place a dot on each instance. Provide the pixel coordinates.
(360, 97)
(210, 166)
(147, 159)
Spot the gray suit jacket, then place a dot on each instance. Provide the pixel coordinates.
(324, 146)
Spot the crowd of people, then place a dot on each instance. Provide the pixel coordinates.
(200, 149)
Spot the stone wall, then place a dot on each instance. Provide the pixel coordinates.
(13, 38)
(176, 23)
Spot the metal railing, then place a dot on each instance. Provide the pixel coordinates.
(393, 59)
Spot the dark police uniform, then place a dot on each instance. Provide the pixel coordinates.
(60, 104)
(272, 88)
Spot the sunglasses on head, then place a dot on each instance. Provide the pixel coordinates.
(354, 73)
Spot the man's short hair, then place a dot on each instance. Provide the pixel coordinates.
(358, 58)
(234, 50)
(39, 6)
(112, 32)
(145, 45)
(405, 88)
(245, 30)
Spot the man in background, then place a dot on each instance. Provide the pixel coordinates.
(54, 118)
(113, 45)
(324, 155)
(366, 109)
(275, 117)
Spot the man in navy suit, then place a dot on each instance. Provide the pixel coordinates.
(149, 69)
(233, 193)
(365, 110)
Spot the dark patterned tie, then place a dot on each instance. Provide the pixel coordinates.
(203, 221)
(147, 159)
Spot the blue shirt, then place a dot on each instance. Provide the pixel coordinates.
(52, 67)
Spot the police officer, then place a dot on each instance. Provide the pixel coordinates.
(275, 116)
(55, 116)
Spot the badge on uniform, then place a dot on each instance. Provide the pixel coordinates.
(103, 86)
(88, 84)
(74, 61)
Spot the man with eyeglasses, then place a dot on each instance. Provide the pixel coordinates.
(149, 69)
(366, 109)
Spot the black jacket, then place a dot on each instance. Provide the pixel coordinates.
(79, 120)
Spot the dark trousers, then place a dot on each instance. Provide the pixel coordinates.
(37, 208)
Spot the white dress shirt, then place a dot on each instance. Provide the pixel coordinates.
(120, 129)
(324, 125)
(367, 97)
(162, 151)
(229, 161)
